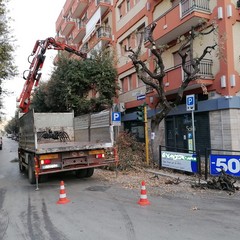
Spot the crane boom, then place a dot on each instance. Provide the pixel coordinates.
(34, 74)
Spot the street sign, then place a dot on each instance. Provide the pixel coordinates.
(190, 102)
(116, 118)
(141, 97)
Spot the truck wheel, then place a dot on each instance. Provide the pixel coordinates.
(81, 173)
(31, 172)
(90, 172)
(21, 167)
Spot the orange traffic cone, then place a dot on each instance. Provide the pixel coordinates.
(63, 197)
(143, 198)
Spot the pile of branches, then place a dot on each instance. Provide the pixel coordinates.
(131, 152)
(222, 182)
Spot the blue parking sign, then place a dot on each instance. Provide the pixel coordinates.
(190, 102)
(116, 118)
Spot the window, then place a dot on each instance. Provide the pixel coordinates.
(122, 50)
(177, 59)
(122, 85)
(130, 83)
(140, 31)
(140, 83)
(128, 5)
(128, 42)
(175, 2)
(120, 11)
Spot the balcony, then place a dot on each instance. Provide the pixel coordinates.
(79, 32)
(104, 5)
(179, 19)
(59, 21)
(85, 48)
(187, 6)
(67, 26)
(175, 76)
(205, 69)
(67, 6)
(104, 32)
(78, 8)
(60, 39)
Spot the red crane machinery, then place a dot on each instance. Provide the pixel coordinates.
(34, 74)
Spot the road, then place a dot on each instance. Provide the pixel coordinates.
(100, 211)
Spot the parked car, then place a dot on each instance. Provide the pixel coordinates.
(1, 143)
(9, 135)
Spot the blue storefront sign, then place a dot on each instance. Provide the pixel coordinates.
(229, 163)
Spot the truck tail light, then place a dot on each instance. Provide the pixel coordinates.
(45, 161)
(100, 155)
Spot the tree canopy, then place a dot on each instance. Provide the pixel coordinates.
(81, 85)
(7, 67)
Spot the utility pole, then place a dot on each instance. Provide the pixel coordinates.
(146, 133)
(142, 116)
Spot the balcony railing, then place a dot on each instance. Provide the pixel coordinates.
(188, 6)
(179, 19)
(104, 32)
(85, 48)
(175, 73)
(205, 67)
(103, 1)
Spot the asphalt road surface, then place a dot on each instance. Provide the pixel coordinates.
(100, 211)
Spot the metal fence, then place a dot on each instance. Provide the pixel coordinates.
(214, 162)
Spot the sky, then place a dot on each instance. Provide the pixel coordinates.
(32, 20)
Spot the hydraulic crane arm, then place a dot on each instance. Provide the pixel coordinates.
(34, 74)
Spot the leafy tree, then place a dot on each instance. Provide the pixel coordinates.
(7, 68)
(190, 65)
(12, 125)
(72, 81)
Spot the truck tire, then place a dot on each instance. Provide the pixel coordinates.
(21, 167)
(31, 172)
(90, 172)
(81, 173)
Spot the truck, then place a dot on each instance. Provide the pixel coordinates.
(60, 142)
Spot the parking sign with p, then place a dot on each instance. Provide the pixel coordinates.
(190, 102)
(116, 118)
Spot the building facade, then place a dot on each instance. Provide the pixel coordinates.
(114, 24)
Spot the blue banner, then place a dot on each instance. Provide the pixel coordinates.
(229, 163)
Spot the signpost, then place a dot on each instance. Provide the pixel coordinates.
(190, 104)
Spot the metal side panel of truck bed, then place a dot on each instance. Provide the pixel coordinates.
(35, 128)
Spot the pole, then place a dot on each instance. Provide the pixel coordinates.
(193, 131)
(146, 134)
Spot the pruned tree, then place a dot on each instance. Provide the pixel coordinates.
(190, 65)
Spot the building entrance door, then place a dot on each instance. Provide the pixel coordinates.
(179, 132)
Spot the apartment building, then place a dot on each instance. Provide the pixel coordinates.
(115, 24)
